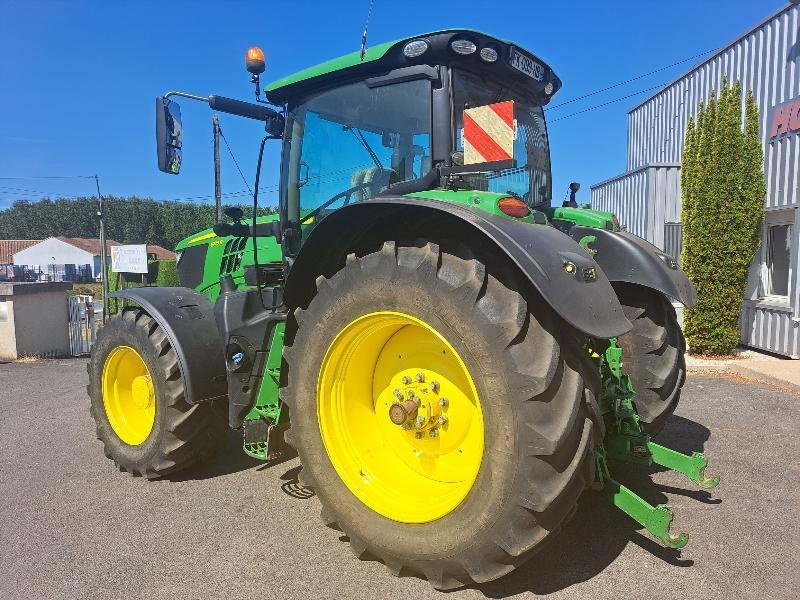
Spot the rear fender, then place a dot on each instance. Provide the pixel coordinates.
(627, 258)
(564, 274)
(188, 320)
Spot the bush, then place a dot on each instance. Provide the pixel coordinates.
(723, 189)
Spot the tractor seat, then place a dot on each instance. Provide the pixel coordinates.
(375, 178)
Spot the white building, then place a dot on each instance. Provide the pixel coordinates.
(67, 256)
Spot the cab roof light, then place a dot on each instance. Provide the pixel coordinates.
(489, 54)
(513, 207)
(463, 46)
(415, 48)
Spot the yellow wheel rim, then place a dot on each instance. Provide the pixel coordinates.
(421, 465)
(128, 395)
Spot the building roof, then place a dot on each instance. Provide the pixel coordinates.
(92, 246)
(722, 49)
(9, 247)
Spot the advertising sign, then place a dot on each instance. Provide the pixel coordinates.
(129, 259)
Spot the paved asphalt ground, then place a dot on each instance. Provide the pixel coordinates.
(72, 526)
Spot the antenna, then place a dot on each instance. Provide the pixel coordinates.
(366, 26)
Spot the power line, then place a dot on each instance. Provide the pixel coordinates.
(51, 177)
(596, 106)
(236, 162)
(632, 79)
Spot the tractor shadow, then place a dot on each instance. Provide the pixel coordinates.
(227, 460)
(598, 532)
(291, 485)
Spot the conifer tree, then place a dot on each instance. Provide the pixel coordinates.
(723, 188)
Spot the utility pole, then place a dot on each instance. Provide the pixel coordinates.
(217, 176)
(103, 253)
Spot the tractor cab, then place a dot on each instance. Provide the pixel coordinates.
(394, 122)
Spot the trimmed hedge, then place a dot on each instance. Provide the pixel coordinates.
(723, 188)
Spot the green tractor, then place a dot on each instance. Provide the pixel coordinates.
(454, 361)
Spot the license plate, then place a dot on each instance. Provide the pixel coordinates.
(526, 65)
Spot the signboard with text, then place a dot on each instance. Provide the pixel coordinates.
(129, 259)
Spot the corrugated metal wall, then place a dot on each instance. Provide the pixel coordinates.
(771, 329)
(673, 240)
(767, 61)
(625, 196)
(643, 200)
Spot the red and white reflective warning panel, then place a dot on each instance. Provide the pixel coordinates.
(489, 133)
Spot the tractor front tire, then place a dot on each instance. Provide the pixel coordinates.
(652, 354)
(138, 400)
(492, 459)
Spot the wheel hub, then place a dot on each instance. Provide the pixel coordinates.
(424, 410)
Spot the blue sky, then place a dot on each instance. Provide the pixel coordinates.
(78, 79)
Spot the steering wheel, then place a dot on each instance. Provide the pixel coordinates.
(346, 194)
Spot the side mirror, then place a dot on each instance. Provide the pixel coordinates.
(169, 135)
(233, 212)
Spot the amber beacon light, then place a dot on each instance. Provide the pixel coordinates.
(254, 59)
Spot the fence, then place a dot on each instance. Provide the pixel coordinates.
(82, 324)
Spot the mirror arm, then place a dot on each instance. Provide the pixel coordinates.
(185, 95)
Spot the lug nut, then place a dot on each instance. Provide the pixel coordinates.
(420, 377)
(420, 420)
(442, 420)
(434, 385)
(434, 433)
(443, 402)
(410, 394)
(418, 435)
(398, 394)
(406, 380)
(407, 426)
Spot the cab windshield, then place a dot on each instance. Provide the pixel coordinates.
(350, 143)
(530, 180)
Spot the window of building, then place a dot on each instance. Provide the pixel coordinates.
(777, 274)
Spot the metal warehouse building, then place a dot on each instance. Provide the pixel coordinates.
(647, 197)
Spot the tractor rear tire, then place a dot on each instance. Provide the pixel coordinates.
(533, 407)
(138, 400)
(652, 354)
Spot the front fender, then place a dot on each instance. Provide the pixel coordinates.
(564, 274)
(188, 320)
(628, 258)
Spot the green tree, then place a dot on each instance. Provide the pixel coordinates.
(128, 220)
(723, 189)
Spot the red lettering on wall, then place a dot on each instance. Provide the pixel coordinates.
(780, 120)
(785, 118)
(794, 116)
